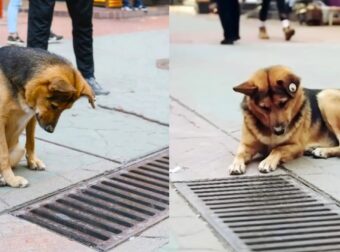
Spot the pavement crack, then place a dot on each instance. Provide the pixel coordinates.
(145, 118)
(174, 99)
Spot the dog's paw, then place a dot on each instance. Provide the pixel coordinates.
(320, 153)
(35, 164)
(17, 181)
(2, 181)
(308, 151)
(237, 167)
(268, 165)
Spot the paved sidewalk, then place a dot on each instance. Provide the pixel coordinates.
(206, 115)
(127, 125)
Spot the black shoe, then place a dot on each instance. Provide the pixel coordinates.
(227, 42)
(54, 38)
(97, 89)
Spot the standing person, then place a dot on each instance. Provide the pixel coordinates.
(12, 22)
(229, 13)
(40, 15)
(283, 14)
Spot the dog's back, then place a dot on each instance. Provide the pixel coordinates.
(19, 64)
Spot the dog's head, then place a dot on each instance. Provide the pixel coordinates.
(53, 91)
(273, 96)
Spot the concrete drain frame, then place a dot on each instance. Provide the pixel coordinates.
(103, 212)
(266, 213)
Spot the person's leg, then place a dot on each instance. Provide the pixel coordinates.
(12, 15)
(264, 10)
(236, 19)
(283, 14)
(40, 15)
(82, 31)
(263, 17)
(222, 15)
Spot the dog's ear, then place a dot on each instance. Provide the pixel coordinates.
(291, 84)
(88, 92)
(84, 88)
(247, 88)
(60, 88)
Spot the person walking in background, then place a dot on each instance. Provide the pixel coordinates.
(229, 13)
(138, 5)
(12, 23)
(283, 14)
(40, 15)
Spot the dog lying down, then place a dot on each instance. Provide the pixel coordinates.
(283, 121)
(35, 86)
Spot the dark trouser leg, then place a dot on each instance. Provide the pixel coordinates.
(81, 14)
(40, 15)
(229, 13)
(264, 10)
(283, 12)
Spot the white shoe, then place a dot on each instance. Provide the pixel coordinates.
(126, 8)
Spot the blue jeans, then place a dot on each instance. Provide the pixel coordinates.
(137, 3)
(12, 15)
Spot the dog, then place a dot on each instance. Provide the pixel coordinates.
(283, 121)
(35, 86)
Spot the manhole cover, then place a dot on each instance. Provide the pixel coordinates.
(163, 64)
(109, 210)
(268, 213)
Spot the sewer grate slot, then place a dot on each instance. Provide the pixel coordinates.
(266, 213)
(105, 211)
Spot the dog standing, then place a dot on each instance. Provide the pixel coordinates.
(35, 85)
(283, 121)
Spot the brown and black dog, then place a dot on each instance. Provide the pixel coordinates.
(283, 121)
(35, 85)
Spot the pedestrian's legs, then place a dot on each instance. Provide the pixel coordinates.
(283, 12)
(264, 10)
(138, 3)
(81, 14)
(12, 15)
(40, 13)
(126, 3)
(236, 20)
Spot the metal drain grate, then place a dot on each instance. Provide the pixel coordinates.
(110, 209)
(267, 213)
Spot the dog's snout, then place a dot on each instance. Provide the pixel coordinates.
(279, 129)
(49, 128)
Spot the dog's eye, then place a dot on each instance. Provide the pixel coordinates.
(282, 104)
(54, 106)
(265, 108)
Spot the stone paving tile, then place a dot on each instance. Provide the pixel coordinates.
(188, 232)
(61, 172)
(150, 240)
(21, 236)
(108, 134)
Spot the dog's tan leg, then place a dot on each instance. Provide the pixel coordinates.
(15, 155)
(279, 154)
(5, 166)
(248, 147)
(33, 162)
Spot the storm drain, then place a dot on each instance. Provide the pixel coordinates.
(109, 210)
(267, 213)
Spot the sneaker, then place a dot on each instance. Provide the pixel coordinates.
(97, 89)
(263, 33)
(54, 38)
(227, 42)
(141, 8)
(126, 8)
(289, 32)
(15, 40)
